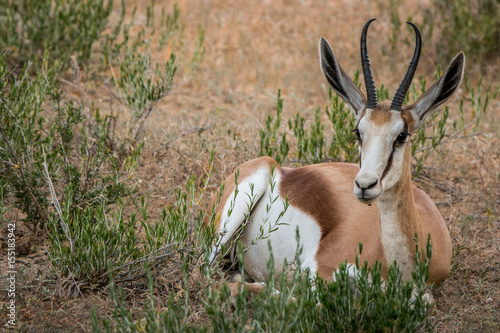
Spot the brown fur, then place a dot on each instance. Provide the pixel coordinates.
(409, 120)
(406, 211)
(381, 114)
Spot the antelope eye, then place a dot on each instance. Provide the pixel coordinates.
(358, 136)
(402, 137)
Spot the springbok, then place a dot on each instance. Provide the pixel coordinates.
(386, 210)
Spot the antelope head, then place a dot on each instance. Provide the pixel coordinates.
(383, 129)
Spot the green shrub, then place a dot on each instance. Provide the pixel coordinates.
(303, 304)
(85, 247)
(178, 240)
(142, 88)
(21, 128)
(92, 245)
(271, 144)
(41, 155)
(141, 85)
(309, 144)
(343, 146)
(113, 44)
(31, 28)
(370, 304)
(469, 26)
(43, 140)
(74, 32)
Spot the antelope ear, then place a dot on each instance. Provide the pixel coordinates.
(339, 80)
(440, 91)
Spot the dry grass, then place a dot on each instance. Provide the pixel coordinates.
(252, 50)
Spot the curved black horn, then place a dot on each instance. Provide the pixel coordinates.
(397, 101)
(371, 91)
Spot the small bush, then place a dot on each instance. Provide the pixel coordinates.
(86, 247)
(90, 247)
(21, 129)
(79, 32)
(470, 26)
(344, 143)
(142, 88)
(271, 144)
(31, 28)
(40, 156)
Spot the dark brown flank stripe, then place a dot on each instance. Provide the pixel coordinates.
(308, 189)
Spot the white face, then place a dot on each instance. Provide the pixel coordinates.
(382, 140)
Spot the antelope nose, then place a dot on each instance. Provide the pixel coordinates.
(366, 184)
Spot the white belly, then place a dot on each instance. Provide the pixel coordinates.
(283, 240)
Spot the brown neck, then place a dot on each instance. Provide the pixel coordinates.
(407, 215)
(400, 220)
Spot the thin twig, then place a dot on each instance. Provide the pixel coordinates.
(56, 202)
